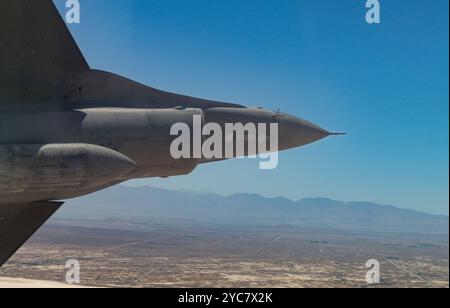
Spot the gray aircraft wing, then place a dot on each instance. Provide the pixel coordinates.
(34, 36)
(18, 222)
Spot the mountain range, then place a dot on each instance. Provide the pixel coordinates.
(145, 204)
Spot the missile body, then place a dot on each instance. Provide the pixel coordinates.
(109, 129)
(53, 171)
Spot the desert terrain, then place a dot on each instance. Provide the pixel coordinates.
(116, 253)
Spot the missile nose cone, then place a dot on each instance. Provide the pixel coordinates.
(292, 131)
(107, 163)
(295, 132)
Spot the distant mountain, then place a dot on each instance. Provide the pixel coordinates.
(146, 204)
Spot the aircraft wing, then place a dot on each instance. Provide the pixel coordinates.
(34, 36)
(18, 222)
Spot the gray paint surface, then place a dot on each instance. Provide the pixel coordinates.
(67, 130)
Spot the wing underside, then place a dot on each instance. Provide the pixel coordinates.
(18, 222)
(34, 36)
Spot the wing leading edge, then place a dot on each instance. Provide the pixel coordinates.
(18, 222)
(34, 36)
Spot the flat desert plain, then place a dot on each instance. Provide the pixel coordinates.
(183, 254)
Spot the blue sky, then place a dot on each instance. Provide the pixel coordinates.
(386, 85)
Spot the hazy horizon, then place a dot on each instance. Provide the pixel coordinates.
(226, 195)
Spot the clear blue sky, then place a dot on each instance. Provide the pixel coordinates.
(386, 85)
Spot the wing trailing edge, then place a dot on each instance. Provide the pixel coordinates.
(18, 222)
(34, 36)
